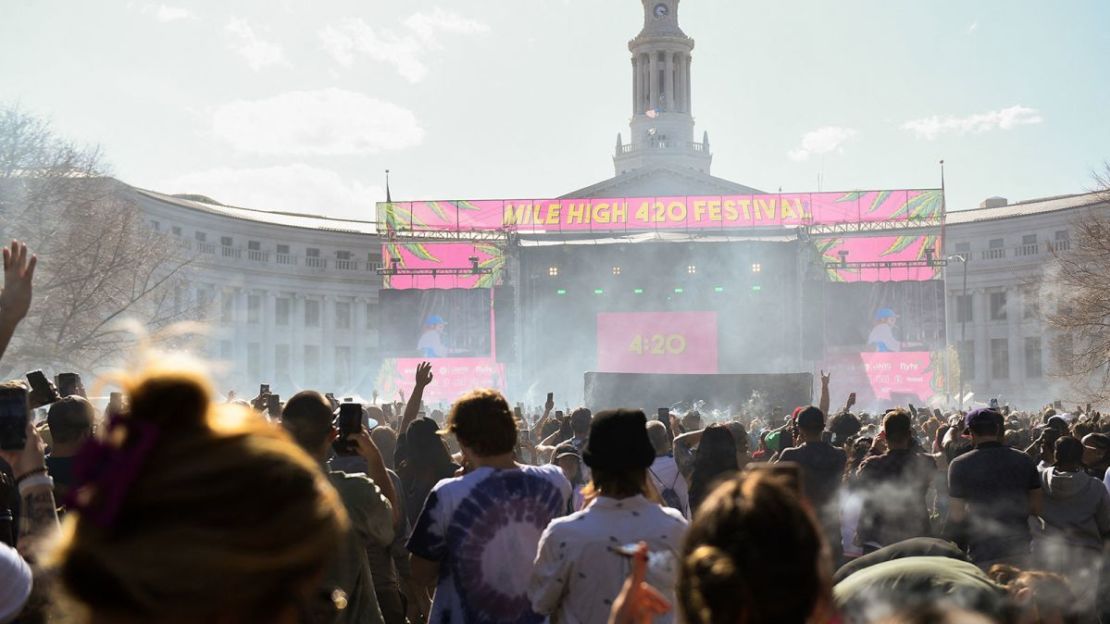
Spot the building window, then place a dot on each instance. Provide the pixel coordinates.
(225, 241)
(204, 300)
(254, 308)
(998, 306)
(342, 366)
(996, 243)
(342, 255)
(282, 308)
(965, 311)
(201, 237)
(312, 252)
(1000, 358)
(1032, 308)
(967, 359)
(311, 313)
(371, 315)
(964, 250)
(227, 307)
(312, 365)
(1029, 239)
(281, 361)
(1033, 365)
(156, 226)
(254, 245)
(283, 249)
(176, 230)
(254, 361)
(342, 315)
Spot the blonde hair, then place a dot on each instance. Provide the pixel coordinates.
(226, 516)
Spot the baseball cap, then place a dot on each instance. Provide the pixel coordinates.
(982, 416)
(435, 319)
(1098, 441)
(566, 450)
(884, 313)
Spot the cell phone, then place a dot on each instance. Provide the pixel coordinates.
(115, 403)
(663, 414)
(273, 404)
(994, 403)
(68, 384)
(42, 393)
(14, 412)
(550, 398)
(559, 414)
(519, 413)
(348, 422)
(263, 389)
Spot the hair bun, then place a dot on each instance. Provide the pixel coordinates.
(172, 402)
(711, 565)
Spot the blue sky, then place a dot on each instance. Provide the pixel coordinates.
(298, 105)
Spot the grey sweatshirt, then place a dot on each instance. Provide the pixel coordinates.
(1076, 507)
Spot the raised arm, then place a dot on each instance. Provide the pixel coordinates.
(15, 298)
(38, 518)
(375, 469)
(412, 408)
(824, 403)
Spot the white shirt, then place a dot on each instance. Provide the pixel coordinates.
(483, 528)
(883, 334)
(577, 575)
(431, 344)
(664, 474)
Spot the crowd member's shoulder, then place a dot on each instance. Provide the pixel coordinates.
(354, 486)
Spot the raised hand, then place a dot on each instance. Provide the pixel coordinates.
(424, 374)
(825, 377)
(19, 269)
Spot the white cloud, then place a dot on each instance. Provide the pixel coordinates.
(286, 188)
(821, 141)
(326, 122)
(974, 27)
(428, 25)
(164, 13)
(929, 128)
(258, 52)
(406, 50)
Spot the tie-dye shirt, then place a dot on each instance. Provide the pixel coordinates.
(483, 529)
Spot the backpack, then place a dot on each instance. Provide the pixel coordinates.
(669, 494)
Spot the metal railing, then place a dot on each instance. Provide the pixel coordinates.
(258, 255)
(315, 262)
(994, 254)
(1060, 245)
(346, 265)
(1030, 249)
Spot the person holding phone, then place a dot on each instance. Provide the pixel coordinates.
(71, 421)
(368, 498)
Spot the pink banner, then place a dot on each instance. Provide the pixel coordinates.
(878, 250)
(657, 342)
(874, 377)
(440, 256)
(648, 213)
(453, 377)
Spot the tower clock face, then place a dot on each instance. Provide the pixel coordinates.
(661, 10)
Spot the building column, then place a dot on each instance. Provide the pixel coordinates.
(680, 82)
(653, 80)
(635, 86)
(296, 343)
(669, 83)
(269, 312)
(689, 92)
(327, 342)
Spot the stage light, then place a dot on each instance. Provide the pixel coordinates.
(553, 271)
(616, 270)
(678, 291)
(691, 269)
(561, 291)
(757, 288)
(473, 264)
(599, 291)
(719, 289)
(638, 291)
(757, 267)
(843, 253)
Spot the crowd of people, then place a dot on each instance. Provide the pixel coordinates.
(173, 506)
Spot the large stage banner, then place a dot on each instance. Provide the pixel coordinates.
(657, 342)
(780, 210)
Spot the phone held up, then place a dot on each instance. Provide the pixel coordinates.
(349, 421)
(69, 384)
(14, 412)
(42, 393)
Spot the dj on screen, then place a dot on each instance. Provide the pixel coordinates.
(431, 340)
(881, 338)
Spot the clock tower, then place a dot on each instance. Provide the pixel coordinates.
(662, 120)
